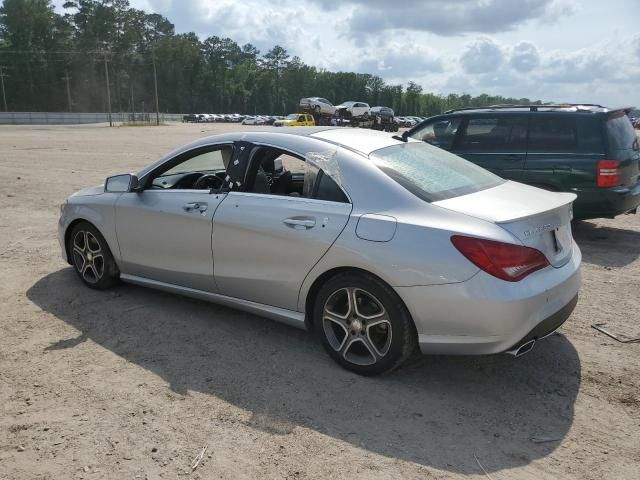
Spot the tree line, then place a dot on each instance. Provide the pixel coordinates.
(58, 62)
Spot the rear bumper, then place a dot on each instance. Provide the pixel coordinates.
(485, 315)
(605, 202)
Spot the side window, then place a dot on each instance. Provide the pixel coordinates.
(185, 171)
(275, 172)
(207, 161)
(494, 134)
(301, 118)
(439, 133)
(329, 190)
(549, 134)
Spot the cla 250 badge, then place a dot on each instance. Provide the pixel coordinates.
(538, 230)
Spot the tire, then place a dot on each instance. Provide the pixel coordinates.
(91, 257)
(374, 338)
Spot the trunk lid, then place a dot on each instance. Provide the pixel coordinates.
(538, 218)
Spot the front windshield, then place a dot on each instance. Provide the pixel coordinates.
(293, 116)
(432, 174)
(346, 104)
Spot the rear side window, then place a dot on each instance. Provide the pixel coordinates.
(621, 134)
(432, 174)
(491, 134)
(329, 190)
(552, 134)
(439, 133)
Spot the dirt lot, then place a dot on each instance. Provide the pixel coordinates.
(133, 383)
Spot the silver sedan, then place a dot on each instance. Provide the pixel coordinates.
(377, 244)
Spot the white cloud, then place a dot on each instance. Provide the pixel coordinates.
(524, 57)
(482, 55)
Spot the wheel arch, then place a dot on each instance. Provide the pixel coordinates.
(67, 236)
(324, 277)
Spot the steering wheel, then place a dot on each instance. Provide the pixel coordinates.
(208, 180)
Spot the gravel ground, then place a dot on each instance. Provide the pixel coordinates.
(133, 383)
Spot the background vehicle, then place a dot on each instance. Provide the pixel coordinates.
(296, 120)
(191, 118)
(353, 109)
(317, 105)
(249, 120)
(589, 150)
(461, 261)
(383, 119)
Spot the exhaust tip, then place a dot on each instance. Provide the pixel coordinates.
(522, 349)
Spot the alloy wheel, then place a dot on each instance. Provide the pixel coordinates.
(357, 326)
(88, 257)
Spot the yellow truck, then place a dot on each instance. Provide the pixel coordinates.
(296, 120)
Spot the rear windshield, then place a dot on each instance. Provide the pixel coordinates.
(621, 133)
(432, 174)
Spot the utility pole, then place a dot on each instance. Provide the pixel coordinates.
(155, 87)
(106, 77)
(67, 78)
(4, 95)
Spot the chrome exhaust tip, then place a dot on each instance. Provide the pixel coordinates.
(522, 349)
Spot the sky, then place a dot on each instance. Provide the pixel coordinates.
(581, 51)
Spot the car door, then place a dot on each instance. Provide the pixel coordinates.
(495, 142)
(553, 154)
(264, 245)
(164, 233)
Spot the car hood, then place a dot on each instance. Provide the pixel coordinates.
(96, 190)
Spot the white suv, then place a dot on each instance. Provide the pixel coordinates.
(353, 109)
(317, 105)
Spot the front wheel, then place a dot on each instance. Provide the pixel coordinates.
(363, 324)
(92, 259)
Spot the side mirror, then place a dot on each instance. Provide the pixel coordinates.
(127, 182)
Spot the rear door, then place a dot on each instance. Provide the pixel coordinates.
(265, 244)
(495, 142)
(554, 153)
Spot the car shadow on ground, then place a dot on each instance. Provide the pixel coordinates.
(441, 412)
(606, 246)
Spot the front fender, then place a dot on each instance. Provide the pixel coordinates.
(99, 210)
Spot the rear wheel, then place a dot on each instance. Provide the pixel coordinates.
(363, 324)
(91, 257)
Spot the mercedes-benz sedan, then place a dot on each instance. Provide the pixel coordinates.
(376, 244)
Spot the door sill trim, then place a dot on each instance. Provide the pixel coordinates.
(290, 317)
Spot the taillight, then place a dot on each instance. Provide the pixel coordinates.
(608, 174)
(503, 260)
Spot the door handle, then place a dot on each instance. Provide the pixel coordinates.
(201, 207)
(299, 223)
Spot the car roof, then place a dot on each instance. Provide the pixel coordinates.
(555, 108)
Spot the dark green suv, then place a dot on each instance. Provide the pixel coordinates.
(585, 149)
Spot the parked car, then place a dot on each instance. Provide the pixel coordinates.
(249, 120)
(384, 112)
(353, 109)
(296, 120)
(588, 150)
(459, 262)
(383, 119)
(190, 118)
(317, 105)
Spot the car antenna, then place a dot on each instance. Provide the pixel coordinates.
(403, 138)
